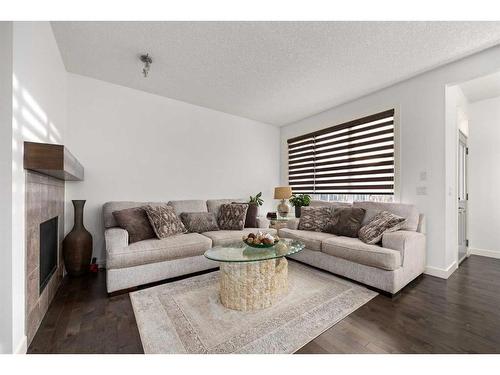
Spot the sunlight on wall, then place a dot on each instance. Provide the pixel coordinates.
(30, 122)
(34, 106)
(36, 125)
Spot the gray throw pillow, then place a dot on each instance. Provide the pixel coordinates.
(346, 222)
(164, 221)
(199, 222)
(232, 216)
(383, 222)
(314, 218)
(135, 221)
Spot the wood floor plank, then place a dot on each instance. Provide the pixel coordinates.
(458, 315)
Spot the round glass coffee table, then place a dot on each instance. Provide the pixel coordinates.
(252, 278)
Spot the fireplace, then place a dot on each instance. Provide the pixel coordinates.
(48, 250)
(47, 167)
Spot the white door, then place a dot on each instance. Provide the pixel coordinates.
(463, 197)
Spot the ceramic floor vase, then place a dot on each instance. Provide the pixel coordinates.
(77, 245)
(297, 211)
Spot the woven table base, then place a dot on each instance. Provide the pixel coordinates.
(253, 285)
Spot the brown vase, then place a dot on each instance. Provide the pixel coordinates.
(251, 218)
(77, 245)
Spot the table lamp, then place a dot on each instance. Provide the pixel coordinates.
(283, 193)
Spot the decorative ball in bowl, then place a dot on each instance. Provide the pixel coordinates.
(260, 240)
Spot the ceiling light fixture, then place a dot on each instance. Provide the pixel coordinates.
(147, 60)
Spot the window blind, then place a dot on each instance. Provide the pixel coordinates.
(356, 157)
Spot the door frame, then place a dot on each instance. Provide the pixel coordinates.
(463, 139)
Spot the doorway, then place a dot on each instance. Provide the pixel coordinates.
(463, 197)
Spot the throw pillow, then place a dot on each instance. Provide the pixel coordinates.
(164, 221)
(232, 216)
(314, 218)
(346, 222)
(383, 222)
(251, 217)
(135, 221)
(199, 222)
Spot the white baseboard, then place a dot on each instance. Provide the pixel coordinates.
(442, 273)
(485, 253)
(22, 347)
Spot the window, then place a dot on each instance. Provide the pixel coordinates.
(346, 162)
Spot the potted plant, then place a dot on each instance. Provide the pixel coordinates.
(257, 200)
(298, 201)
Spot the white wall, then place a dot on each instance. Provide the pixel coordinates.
(39, 114)
(421, 103)
(139, 146)
(484, 176)
(6, 187)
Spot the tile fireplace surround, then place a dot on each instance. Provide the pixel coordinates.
(44, 200)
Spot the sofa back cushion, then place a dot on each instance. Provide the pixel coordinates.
(408, 211)
(318, 203)
(190, 205)
(109, 207)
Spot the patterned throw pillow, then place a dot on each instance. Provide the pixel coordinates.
(251, 216)
(232, 216)
(199, 222)
(314, 218)
(136, 223)
(383, 222)
(164, 221)
(346, 222)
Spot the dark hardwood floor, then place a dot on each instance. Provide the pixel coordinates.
(458, 315)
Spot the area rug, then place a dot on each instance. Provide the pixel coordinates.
(186, 316)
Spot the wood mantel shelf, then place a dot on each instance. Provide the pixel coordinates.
(52, 160)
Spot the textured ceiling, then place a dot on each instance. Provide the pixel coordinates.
(482, 88)
(274, 72)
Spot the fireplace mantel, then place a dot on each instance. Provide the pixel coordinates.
(52, 160)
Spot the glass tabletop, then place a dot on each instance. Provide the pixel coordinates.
(241, 252)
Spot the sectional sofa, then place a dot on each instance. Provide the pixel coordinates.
(389, 267)
(130, 265)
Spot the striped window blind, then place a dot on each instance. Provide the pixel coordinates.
(356, 157)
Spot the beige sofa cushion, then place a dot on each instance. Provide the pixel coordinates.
(408, 211)
(227, 237)
(154, 250)
(312, 240)
(190, 205)
(335, 205)
(354, 250)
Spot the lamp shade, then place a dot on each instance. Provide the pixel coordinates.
(282, 192)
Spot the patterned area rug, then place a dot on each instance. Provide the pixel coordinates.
(186, 316)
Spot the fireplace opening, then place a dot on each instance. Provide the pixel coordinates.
(48, 250)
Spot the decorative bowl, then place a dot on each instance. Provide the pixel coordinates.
(261, 245)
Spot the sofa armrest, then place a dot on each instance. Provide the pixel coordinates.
(263, 223)
(410, 244)
(293, 223)
(115, 238)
